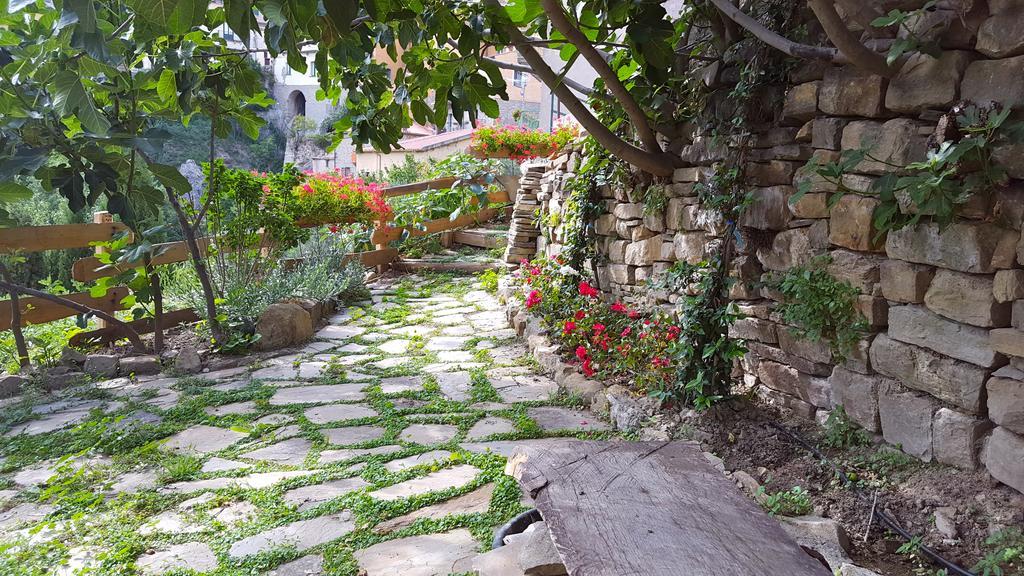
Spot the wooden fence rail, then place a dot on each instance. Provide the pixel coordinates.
(69, 236)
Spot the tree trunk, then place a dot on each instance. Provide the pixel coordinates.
(121, 326)
(19, 336)
(199, 262)
(158, 305)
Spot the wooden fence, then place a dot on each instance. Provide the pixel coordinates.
(29, 239)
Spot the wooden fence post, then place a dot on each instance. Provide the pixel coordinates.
(102, 217)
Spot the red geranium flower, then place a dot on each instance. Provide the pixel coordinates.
(581, 352)
(618, 307)
(580, 314)
(568, 327)
(532, 299)
(626, 332)
(588, 370)
(587, 289)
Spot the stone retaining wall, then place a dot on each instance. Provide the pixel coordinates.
(942, 373)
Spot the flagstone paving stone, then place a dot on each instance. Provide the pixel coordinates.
(474, 502)
(410, 461)
(338, 413)
(330, 456)
(291, 452)
(311, 565)
(455, 386)
(195, 556)
(428, 555)
(318, 394)
(202, 439)
(312, 496)
(240, 480)
(490, 425)
(301, 535)
(428, 433)
(401, 384)
(352, 435)
(435, 481)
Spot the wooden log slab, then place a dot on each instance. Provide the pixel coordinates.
(652, 509)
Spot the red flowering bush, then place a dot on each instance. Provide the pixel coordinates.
(607, 340)
(331, 198)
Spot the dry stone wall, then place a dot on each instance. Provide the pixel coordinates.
(942, 372)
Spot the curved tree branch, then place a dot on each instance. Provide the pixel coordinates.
(772, 39)
(559, 20)
(849, 50)
(126, 330)
(837, 32)
(659, 164)
(584, 90)
(19, 336)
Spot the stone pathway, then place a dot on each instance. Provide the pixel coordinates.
(376, 449)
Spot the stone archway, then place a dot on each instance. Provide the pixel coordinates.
(297, 103)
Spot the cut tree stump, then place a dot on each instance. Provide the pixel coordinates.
(652, 509)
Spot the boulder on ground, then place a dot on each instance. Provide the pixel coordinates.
(283, 324)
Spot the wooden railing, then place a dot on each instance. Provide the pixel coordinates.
(28, 239)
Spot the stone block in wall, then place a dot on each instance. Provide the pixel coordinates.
(976, 247)
(858, 395)
(813, 182)
(810, 205)
(771, 173)
(1004, 457)
(642, 274)
(786, 402)
(906, 419)
(624, 228)
(1006, 398)
(1009, 341)
(801, 103)
(694, 217)
(644, 252)
(875, 310)
(789, 380)
(654, 222)
(956, 382)
(795, 247)
(957, 438)
(640, 232)
(621, 274)
(747, 268)
(1000, 34)
(1002, 81)
(925, 82)
(689, 174)
(827, 133)
(905, 282)
(627, 211)
(852, 224)
(894, 142)
(816, 351)
(849, 91)
(690, 247)
(668, 252)
(769, 209)
(858, 359)
(1017, 314)
(1011, 158)
(675, 209)
(1008, 202)
(855, 268)
(617, 251)
(754, 329)
(1008, 285)
(604, 225)
(778, 136)
(967, 298)
(921, 327)
(766, 352)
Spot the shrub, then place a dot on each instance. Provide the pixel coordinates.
(489, 281)
(792, 502)
(820, 307)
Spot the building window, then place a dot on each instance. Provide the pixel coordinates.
(287, 71)
(556, 110)
(228, 34)
(519, 79)
(311, 66)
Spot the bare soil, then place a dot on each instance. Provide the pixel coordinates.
(741, 433)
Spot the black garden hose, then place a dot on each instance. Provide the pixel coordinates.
(515, 526)
(883, 518)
